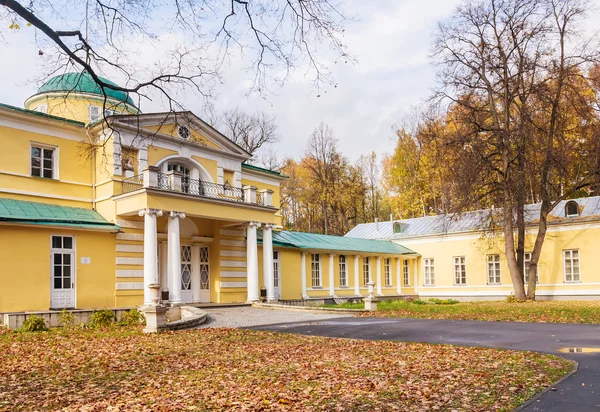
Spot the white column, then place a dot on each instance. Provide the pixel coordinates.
(195, 273)
(150, 251)
(268, 276)
(252, 261)
(304, 294)
(356, 276)
(174, 256)
(331, 276)
(379, 291)
(398, 276)
(163, 252)
(416, 275)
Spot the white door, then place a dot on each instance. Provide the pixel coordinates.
(276, 274)
(204, 274)
(186, 274)
(62, 258)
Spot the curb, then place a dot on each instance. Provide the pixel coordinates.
(315, 309)
(549, 388)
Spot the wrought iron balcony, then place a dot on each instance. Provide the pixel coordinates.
(176, 182)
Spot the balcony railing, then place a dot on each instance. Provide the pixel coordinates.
(175, 182)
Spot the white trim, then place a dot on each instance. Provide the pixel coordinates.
(130, 248)
(232, 274)
(580, 292)
(163, 162)
(130, 224)
(237, 243)
(74, 268)
(44, 195)
(45, 127)
(260, 179)
(131, 273)
(233, 253)
(130, 261)
(69, 182)
(55, 160)
(231, 232)
(233, 263)
(463, 265)
(564, 254)
(226, 285)
(130, 286)
(130, 236)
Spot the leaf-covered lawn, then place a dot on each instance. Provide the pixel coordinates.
(217, 369)
(547, 311)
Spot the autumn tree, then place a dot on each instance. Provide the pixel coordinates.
(514, 76)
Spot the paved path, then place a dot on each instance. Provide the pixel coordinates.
(579, 392)
(244, 317)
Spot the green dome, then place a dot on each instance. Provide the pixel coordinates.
(84, 83)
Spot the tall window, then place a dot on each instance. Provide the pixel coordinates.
(93, 113)
(405, 272)
(276, 268)
(460, 271)
(343, 274)
(366, 275)
(429, 271)
(186, 267)
(526, 265)
(62, 262)
(42, 162)
(388, 272)
(571, 261)
(316, 270)
(493, 269)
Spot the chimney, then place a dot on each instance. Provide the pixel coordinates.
(377, 224)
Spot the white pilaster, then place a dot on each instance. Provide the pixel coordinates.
(174, 256)
(252, 261)
(331, 276)
(195, 273)
(356, 276)
(303, 272)
(398, 276)
(268, 276)
(379, 290)
(416, 275)
(150, 251)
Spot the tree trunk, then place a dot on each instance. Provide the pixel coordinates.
(509, 249)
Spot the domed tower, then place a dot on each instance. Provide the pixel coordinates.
(78, 97)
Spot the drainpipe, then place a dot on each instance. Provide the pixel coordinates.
(377, 224)
(87, 133)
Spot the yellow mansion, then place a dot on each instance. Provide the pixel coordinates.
(94, 213)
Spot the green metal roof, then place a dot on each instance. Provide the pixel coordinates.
(262, 169)
(40, 114)
(20, 211)
(313, 241)
(85, 83)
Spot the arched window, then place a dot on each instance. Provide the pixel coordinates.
(572, 209)
(397, 228)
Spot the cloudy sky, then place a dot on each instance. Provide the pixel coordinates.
(390, 39)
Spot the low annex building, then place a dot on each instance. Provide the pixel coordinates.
(92, 212)
(459, 257)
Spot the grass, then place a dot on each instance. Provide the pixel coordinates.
(537, 311)
(215, 369)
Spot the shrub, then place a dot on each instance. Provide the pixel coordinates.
(66, 319)
(443, 301)
(102, 319)
(132, 317)
(419, 302)
(513, 299)
(34, 323)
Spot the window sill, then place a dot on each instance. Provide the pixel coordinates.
(494, 284)
(44, 178)
(460, 284)
(572, 281)
(428, 286)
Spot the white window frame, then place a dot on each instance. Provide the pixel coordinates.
(497, 270)
(460, 270)
(42, 147)
(429, 272)
(387, 270)
(316, 270)
(92, 107)
(406, 272)
(72, 250)
(366, 271)
(343, 271)
(568, 256)
(569, 203)
(526, 260)
(276, 266)
(42, 108)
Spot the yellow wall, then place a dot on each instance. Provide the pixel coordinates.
(170, 129)
(25, 268)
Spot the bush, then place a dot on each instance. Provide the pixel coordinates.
(419, 302)
(513, 299)
(443, 301)
(132, 317)
(66, 319)
(102, 319)
(34, 323)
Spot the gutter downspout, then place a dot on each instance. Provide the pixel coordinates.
(87, 133)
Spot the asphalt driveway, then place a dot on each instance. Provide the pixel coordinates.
(579, 392)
